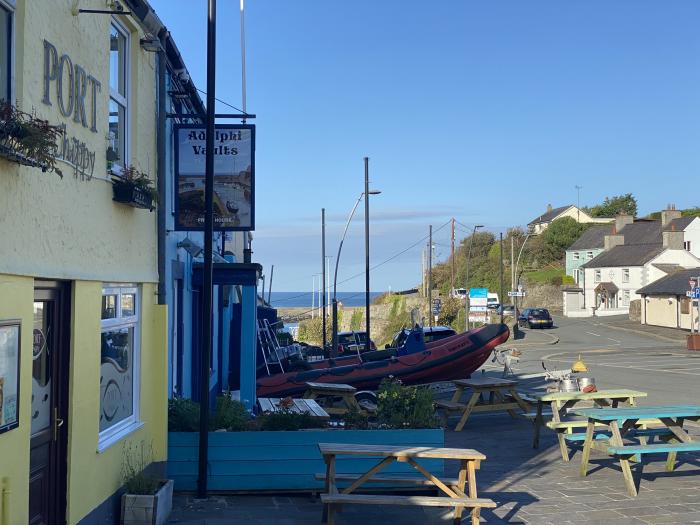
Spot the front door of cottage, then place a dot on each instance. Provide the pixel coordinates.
(49, 412)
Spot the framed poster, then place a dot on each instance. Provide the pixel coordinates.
(234, 177)
(9, 374)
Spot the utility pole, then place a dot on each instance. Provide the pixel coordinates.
(452, 281)
(368, 345)
(430, 274)
(578, 202)
(422, 273)
(501, 272)
(313, 296)
(512, 273)
(323, 271)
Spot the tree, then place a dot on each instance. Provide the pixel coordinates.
(561, 234)
(615, 205)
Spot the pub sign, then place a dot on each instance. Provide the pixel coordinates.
(234, 177)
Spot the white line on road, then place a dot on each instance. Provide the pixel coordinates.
(615, 340)
(592, 333)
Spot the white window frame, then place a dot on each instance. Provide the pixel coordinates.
(625, 275)
(120, 99)
(626, 297)
(10, 5)
(118, 431)
(576, 256)
(589, 255)
(686, 245)
(597, 275)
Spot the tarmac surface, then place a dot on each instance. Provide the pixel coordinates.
(535, 486)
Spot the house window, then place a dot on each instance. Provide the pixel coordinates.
(596, 276)
(626, 297)
(589, 255)
(6, 19)
(118, 98)
(625, 275)
(576, 276)
(576, 256)
(686, 245)
(119, 364)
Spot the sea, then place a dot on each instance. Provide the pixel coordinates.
(303, 299)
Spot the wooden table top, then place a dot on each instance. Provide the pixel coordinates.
(589, 396)
(337, 387)
(485, 382)
(300, 406)
(656, 412)
(348, 449)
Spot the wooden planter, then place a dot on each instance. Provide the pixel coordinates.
(148, 510)
(130, 194)
(693, 341)
(246, 461)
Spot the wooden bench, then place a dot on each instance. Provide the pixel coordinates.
(458, 494)
(327, 393)
(450, 482)
(299, 406)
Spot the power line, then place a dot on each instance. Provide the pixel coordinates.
(222, 101)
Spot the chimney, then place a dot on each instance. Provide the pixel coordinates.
(669, 214)
(622, 220)
(615, 239)
(673, 240)
(549, 208)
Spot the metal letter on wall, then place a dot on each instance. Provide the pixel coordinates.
(234, 177)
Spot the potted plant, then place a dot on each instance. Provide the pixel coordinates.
(147, 500)
(135, 188)
(28, 140)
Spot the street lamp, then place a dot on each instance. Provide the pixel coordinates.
(469, 255)
(334, 351)
(517, 277)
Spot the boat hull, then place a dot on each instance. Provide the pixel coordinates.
(450, 358)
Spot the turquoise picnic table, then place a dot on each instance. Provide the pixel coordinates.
(621, 426)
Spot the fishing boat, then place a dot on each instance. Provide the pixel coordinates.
(285, 371)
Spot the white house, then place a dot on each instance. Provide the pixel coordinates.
(690, 226)
(540, 223)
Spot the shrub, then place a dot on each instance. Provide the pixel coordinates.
(285, 419)
(229, 414)
(354, 420)
(183, 415)
(567, 279)
(402, 406)
(135, 460)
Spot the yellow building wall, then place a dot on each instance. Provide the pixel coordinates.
(16, 302)
(70, 228)
(93, 476)
(662, 311)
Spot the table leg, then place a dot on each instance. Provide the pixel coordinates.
(677, 428)
(330, 487)
(587, 444)
(461, 479)
(520, 401)
(476, 511)
(502, 399)
(563, 448)
(616, 440)
(459, 390)
(467, 411)
(539, 423)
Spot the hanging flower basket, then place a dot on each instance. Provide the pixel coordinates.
(28, 140)
(135, 189)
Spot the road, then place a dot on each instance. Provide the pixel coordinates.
(668, 372)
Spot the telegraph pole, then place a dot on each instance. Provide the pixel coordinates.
(512, 273)
(430, 274)
(501, 272)
(323, 272)
(452, 282)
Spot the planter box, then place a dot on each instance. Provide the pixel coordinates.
(245, 461)
(694, 342)
(148, 510)
(127, 193)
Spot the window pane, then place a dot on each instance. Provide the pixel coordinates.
(5, 33)
(117, 123)
(41, 373)
(128, 302)
(109, 306)
(117, 61)
(116, 376)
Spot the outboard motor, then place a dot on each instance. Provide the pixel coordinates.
(414, 342)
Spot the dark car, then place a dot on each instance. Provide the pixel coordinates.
(535, 318)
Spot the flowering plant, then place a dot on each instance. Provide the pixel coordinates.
(401, 406)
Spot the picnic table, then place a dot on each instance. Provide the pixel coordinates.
(453, 489)
(488, 394)
(300, 406)
(560, 404)
(621, 425)
(327, 392)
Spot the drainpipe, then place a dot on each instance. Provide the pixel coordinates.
(160, 145)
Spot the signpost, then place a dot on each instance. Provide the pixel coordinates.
(516, 294)
(478, 300)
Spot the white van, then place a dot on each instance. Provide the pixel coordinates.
(492, 301)
(459, 293)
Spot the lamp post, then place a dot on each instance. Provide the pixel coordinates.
(334, 350)
(517, 261)
(469, 255)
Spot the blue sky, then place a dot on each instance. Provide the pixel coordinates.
(483, 110)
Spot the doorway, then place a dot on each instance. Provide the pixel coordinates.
(49, 412)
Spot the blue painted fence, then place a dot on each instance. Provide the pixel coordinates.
(285, 460)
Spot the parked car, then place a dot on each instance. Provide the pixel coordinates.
(535, 318)
(506, 309)
(353, 342)
(492, 302)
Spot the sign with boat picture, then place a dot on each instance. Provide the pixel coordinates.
(234, 177)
